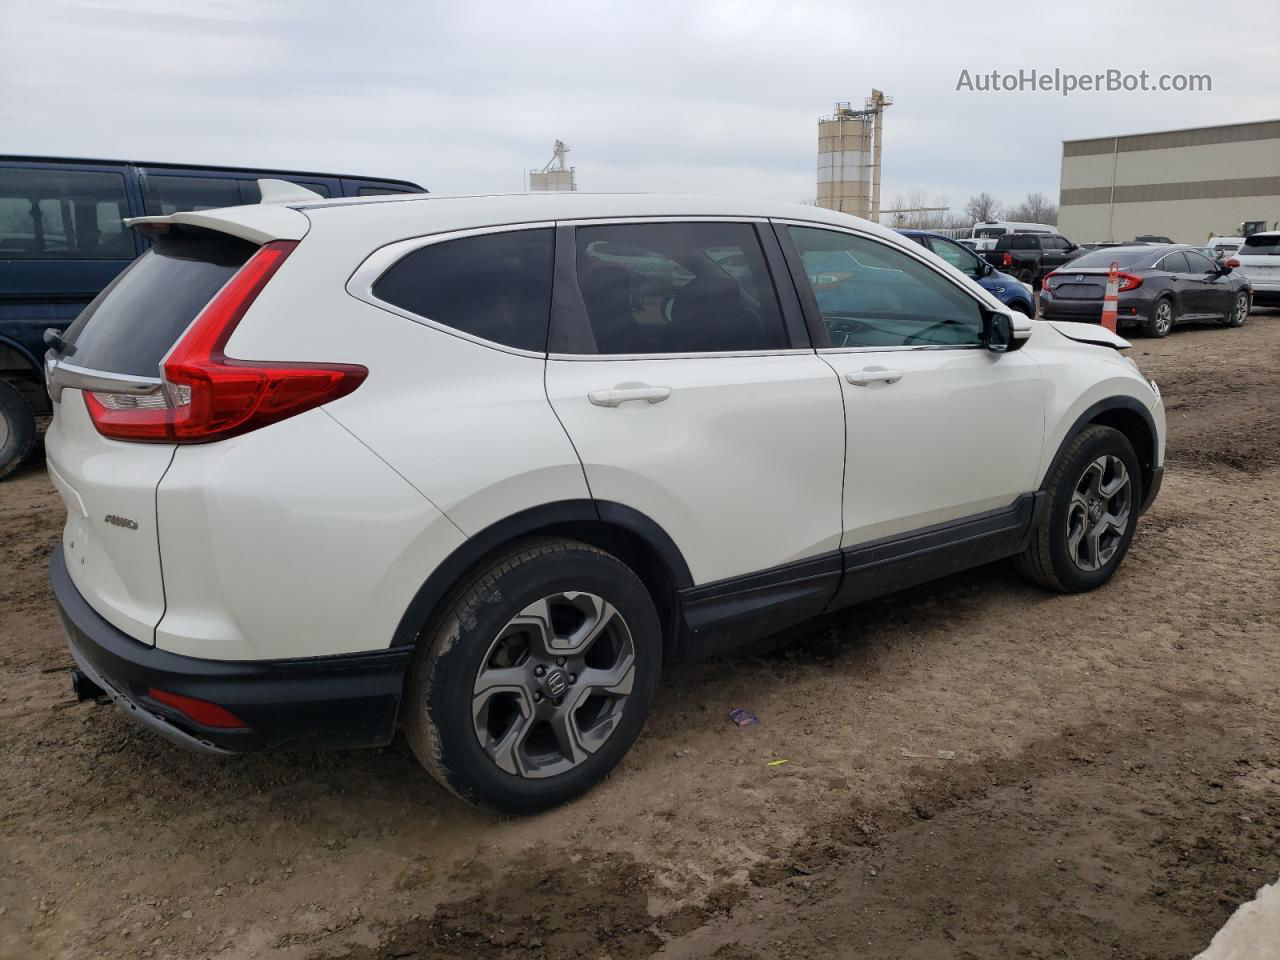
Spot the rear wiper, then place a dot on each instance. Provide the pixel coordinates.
(54, 338)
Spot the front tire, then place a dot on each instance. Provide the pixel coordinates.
(1089, 516)
(536, 678)
(17, 429)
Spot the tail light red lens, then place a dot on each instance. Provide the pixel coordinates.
(1007, 260)
(1044, 281)
(211, 396)
(1233, 263)
(201, 711)
(1129, 282)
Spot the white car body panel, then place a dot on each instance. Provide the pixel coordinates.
(114, 564)
(965, 428)
(290, 541)
(740, 465)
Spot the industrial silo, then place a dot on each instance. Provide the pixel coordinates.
(555, 175)
(849, 158)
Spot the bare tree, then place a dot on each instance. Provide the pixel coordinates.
(1036, 208)
(982, 208)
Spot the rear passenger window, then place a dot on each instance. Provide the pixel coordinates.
(678, 288)
(871, 295)
(163, 195)
(63, 215)
(495, 286)
(1175, 263)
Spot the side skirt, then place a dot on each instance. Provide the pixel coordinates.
(721, 616)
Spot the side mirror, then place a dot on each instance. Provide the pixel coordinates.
(985, 269)
(1005, 332)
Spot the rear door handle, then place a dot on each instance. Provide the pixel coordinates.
(622, 394)
(869, 375)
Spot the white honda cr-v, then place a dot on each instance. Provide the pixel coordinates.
(476, 467)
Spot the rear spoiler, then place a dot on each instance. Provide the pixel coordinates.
(258, 223)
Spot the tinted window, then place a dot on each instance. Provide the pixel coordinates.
(1174, 263)
(63, 215)
(131, 325)
(871, 295)
(1199, 263)
(163, 195)
(1018, 241)
(1127, 257)
(989, 232)
(954, 254)
(496, 286)
(1257, 246)
(678, 288)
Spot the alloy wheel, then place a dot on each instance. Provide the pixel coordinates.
(1164, 317)
(1098, 515)
(1242, 309)
(4, 430)
(553, 685)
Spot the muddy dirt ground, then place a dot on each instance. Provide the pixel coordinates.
(976, 769)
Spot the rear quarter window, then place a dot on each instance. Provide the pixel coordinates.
(1018, 241)
(495, 286)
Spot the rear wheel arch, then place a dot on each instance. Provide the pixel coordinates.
(23, 370)
(626, 533)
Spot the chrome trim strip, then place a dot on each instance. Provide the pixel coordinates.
(728, 354)
(899, 348)
(59, 375)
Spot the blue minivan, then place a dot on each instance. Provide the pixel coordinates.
(1009, 290)
(62, 240)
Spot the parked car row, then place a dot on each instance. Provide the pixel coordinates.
(63, 239)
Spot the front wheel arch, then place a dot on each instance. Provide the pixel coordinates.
(1131, 418)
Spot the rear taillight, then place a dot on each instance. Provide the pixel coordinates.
(1233, 263)
(1128, 282)
(1007, 261)
(207, 395)
(1044, 281)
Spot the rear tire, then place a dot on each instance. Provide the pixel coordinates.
(536, 677)
(1023, 308)
(17, 429)
(1162, 320)
(1089, 515)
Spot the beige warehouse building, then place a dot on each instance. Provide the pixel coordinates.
(1183, 184)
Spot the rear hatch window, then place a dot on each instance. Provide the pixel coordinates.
(1268, 246)
(133, 323)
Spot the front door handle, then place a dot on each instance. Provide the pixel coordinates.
(869, 375)
(621, 394)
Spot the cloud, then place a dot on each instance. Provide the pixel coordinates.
(689, 97)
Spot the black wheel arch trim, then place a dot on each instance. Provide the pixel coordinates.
(1152, 473)
(542, 518)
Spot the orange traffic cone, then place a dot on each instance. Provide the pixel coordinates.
(1111, 298)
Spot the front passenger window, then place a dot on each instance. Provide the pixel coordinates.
(872, 295)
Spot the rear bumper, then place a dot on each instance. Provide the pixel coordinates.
(350, 700)
(1128, 309)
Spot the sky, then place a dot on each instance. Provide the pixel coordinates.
(688, 97)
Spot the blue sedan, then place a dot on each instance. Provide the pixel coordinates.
(1010, 291)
